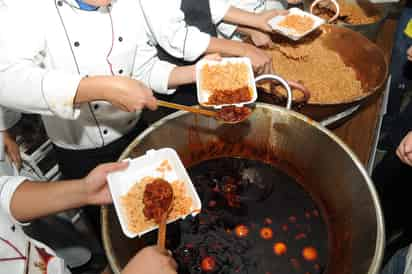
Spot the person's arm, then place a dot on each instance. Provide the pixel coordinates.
(25, 200)
(168, 28)
(151, 260)
(261, 61)
(8, 143)
(404, 150)
(259, 39)
(26, 86)
(253, 20)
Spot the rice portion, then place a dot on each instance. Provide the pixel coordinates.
(132, 205)
(299, 24)
(231, 76)
(321, 70)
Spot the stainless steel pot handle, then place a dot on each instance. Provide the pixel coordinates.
(282, 81)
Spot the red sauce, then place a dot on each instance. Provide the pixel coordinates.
(220, 97)
(300, 236)
(295, 263)
(233, 114)
(292, 219)
(266, 233)
(212, 203)
(241, 231)
(208, 264)
(156, 199)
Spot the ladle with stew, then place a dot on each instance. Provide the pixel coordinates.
(157, 200)
(227, 115)
(232, 114)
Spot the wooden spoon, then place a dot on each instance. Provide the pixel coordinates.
(187, 108)
(219, 115)
(161, 234)
(157, 199)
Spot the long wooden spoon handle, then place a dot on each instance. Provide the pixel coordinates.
(161, 237)
(186, 108)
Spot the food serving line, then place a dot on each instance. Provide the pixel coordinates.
(270, 201)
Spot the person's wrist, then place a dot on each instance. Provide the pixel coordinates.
(84, 190)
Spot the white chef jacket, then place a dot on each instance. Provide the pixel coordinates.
(46, 47)
(166, 22)
(10, 229)
(227, 30)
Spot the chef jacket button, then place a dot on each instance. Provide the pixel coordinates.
(120, 71)
(120, 39)
(96, 106)
(76, 44)
(130, 122)
(13, 228)
(60, 3)
(105, 131)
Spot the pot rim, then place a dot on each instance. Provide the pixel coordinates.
(380, 235)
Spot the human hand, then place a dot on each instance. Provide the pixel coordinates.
(409, 53)
(12, 149)
(294, 2)
(96, 188)
(261, 61)
(264, 17)
(129, 94)
(404, 151)
(261, 39)
(151, 260)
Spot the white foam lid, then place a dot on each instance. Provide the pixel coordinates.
(120, 182)
(291, 33)
(203, 95)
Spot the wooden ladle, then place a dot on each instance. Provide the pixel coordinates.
(220, 115)
(157, 200)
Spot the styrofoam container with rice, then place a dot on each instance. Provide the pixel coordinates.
(127, 190)
(228, 82)
(296, 24)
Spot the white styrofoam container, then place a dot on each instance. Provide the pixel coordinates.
(203, 95)
(291, 33)
(120, 182)
(383, 1)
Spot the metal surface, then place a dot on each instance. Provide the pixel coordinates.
(282, 82)
(369, 30)
(332, 175)
(356, 51)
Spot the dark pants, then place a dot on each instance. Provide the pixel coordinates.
(392, 179)
(397, 263)
(400, 68)
(76, 164)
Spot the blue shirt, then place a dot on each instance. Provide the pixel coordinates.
(84, 6)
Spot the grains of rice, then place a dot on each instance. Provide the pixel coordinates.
(230, 76)
(297, 23)
(132, 204)
(351, 13)
(319, 69)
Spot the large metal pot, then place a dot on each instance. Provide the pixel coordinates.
(371, 30)
(331, 173)
(356, 51)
